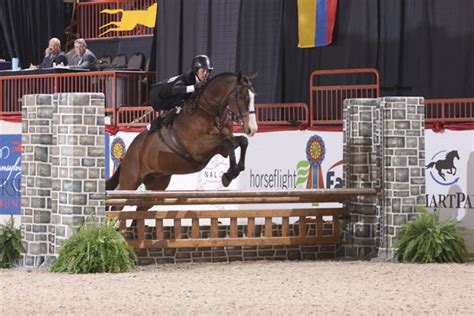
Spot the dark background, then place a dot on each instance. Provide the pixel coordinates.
(420, 47)
(26, 27)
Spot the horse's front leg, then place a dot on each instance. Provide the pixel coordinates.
(242, 142)
(233, 171)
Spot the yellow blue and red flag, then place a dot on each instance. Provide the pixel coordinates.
(316, 22)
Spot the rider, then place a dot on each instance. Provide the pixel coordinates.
(175, 91)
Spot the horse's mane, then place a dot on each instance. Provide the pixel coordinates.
(191, 104)
(222, 74)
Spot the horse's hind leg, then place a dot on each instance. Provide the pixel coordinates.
(129, 179)
(157, 182)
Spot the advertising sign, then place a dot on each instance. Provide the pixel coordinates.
(10, 174)
(275, 160)
(449, 176)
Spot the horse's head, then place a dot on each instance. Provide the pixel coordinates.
(454, 154)
(234, 93)
(241, 103)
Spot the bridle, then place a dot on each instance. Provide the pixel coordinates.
(236, 92)
(224, 112)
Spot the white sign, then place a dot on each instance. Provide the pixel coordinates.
(274, 160)
(450, 174)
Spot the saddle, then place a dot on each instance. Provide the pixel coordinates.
(165, 119)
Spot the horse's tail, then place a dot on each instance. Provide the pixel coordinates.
(431, 165)
(113, 181)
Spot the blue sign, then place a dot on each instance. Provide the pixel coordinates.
(10, 174)
(107, 155)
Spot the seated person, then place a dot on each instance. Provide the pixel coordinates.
(83, 58)
(175, 91)
(53, 55)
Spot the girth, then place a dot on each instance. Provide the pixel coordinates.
(178, 148)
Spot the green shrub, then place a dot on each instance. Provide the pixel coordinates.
(10, 244)
(95, 248)
(426, 240)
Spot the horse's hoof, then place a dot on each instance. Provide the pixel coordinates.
(225, 180)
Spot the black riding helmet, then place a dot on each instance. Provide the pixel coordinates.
(201, 61)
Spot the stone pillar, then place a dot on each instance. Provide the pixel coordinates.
(403, 166)
(360, 171)
(37, 142)
(384, 149)
(63, 176)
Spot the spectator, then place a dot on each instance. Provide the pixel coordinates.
(83, 58)
(53, 54)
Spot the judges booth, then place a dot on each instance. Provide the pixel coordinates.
(121, 88)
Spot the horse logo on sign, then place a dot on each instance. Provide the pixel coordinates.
(130, 19)
(444, 164)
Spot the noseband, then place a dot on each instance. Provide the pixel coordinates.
(236, 92)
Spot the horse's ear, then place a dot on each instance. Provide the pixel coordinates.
(239, 76)
(253, 76)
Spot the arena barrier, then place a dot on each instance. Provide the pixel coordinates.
(63, 184)
(120, 87)
(329, 88)
(310, 227)
(384, 181)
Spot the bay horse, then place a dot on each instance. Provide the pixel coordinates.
(203, 129)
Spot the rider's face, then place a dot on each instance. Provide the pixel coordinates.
(203, 74)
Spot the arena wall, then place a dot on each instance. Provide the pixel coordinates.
(63, 139)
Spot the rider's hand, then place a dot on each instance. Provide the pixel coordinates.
(199, 85)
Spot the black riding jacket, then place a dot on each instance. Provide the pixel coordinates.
(168, 93)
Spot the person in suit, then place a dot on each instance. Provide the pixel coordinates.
(53, 55)
(83, 58)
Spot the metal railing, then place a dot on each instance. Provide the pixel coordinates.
(277, 114)
(121, 88)
(449, 111)
(90, 18)
(127, 91)
(329, 88)
(282, 114)
(138, 116)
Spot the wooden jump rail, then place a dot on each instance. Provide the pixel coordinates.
(302, 233)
